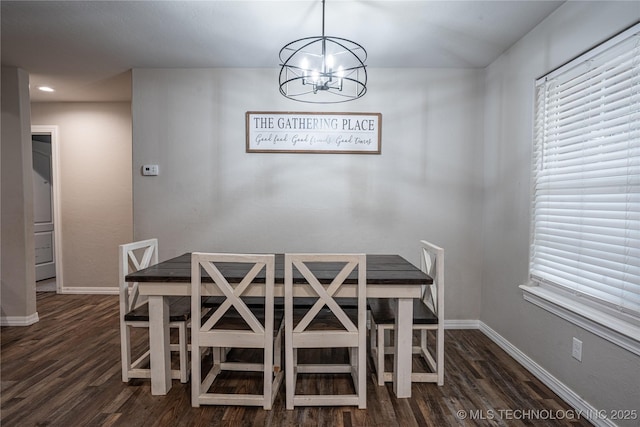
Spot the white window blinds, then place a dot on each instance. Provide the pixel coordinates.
(586, 177)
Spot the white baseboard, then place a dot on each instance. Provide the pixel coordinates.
(462, 324)
(89, 290)
(19, 320)
(583, 408)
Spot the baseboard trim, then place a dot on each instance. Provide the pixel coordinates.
(583, 408)
(88, 290)
(19, 320)
(462, 324)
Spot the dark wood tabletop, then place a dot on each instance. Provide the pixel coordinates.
(381, 269)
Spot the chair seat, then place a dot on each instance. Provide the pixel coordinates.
(252, 302)
(384, 313)
(325, 320)
(232, 320)
(211, 302)
(179, 311)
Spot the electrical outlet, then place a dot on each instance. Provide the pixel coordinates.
(576, 349)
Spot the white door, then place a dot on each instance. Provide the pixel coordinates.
(43, 207)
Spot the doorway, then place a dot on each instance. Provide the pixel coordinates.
(46, 230)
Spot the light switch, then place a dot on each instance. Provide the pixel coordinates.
(576, 349)
(150, 170)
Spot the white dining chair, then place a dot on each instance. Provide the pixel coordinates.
(134, 313)
(325, 324)
(428, 315)
(232, 323)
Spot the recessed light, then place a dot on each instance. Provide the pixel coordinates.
(46, 89)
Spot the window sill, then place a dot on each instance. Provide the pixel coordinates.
(616, 330)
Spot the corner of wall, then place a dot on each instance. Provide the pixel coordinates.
(18, 251)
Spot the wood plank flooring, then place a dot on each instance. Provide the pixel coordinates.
(65, 371)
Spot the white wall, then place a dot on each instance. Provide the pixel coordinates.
(211, 195)
(608, 377)
(96, 196)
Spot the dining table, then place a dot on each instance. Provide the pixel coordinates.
(388, 276)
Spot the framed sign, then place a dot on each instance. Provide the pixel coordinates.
(273, 132)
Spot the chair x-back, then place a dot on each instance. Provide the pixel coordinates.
(134, 313)
(428, 315)
(325, 324)
(232, 323)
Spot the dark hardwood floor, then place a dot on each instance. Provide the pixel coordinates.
(65, 371)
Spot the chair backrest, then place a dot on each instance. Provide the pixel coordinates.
(432, 263)
(133, 257)
(231, 276)
(325, 274)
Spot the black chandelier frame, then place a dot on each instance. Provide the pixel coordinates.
(308, 84)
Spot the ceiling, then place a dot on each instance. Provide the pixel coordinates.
(86, 49)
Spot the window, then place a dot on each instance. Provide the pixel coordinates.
(585, 236)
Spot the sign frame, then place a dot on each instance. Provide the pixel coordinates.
(313, 132)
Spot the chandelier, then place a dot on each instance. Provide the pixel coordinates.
(323, 69)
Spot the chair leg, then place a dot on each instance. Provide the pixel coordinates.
(289, 373)
(277, 355)
(423, 341)
(184, 353)
(195, 373)
(440, 353)
(125, 351)
(381, 345)
(373, 336)
(352, 352)
(277, 373)
(268, 374)
(362, 378)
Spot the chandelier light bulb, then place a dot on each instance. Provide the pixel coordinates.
(329, 62)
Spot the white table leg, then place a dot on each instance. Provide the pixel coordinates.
(403, 347)
(160, 357)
